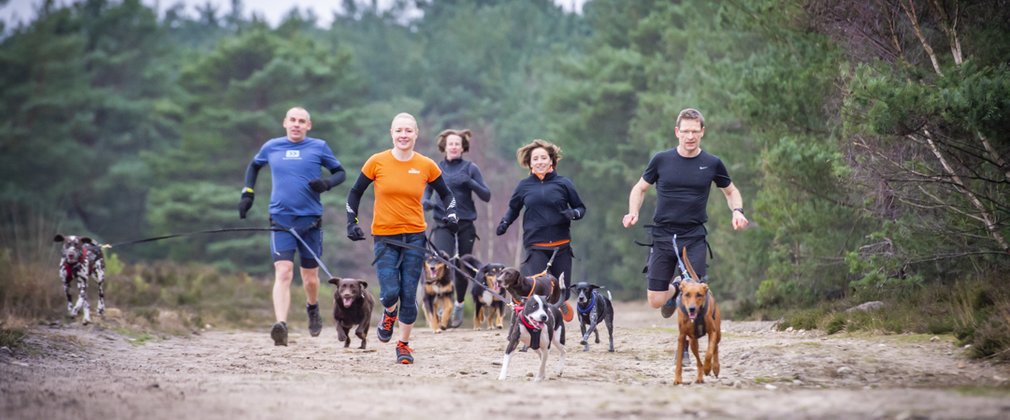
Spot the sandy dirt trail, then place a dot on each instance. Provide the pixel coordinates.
(91, 372)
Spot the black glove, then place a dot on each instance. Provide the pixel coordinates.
(570, 214)
(451, 222)
(245, 204)
(502, 227)
(354, 232)
(319, 185)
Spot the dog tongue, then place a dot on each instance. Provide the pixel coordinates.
(348, 301)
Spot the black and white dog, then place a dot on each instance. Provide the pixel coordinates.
(82, 259)
(540, 326)
(593, 308)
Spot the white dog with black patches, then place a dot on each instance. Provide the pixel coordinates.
(81, 259)
(538, 325)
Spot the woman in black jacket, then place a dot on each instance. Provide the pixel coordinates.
(464, 180)
(551, 203)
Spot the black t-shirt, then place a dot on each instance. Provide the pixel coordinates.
(682, 185)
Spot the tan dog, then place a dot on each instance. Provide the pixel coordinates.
(697, 315)
(438, 292)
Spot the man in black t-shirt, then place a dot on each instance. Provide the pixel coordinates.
(683, 178)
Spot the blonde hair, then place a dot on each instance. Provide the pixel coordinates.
(405, 115)
(463, 134)
(524, 153)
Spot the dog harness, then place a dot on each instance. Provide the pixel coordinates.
(516, 302)
(68, 266)
(534, 331)
(699, 321)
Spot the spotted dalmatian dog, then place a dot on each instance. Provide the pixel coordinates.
(82, 259)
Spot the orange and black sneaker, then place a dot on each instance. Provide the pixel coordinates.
(385, 330)
(403, 354)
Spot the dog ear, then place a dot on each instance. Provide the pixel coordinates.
(87, 240)
(334, 281)
(58, 238)
(593, 286)
(364, 284)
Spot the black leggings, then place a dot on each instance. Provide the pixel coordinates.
(445, 242)
(536, 261)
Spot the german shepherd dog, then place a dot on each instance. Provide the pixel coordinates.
(438, 293)
(697, 314)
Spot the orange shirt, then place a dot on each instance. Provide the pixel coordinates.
(399, 187)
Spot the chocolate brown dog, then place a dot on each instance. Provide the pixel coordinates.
(352, 305)
(523, 287)
(697, 314)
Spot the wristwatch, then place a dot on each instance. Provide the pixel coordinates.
(740, 209)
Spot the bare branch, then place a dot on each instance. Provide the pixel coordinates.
(950, 28)
(913, 17)
(983, 212)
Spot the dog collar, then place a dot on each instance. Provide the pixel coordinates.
(590, 307)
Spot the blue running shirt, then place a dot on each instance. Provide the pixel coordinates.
(292, 166)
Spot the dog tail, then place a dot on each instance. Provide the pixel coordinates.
(471, 263)
(609, 296)
(561, 280)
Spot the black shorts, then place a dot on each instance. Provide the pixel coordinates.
(662, 265)
(536, 260)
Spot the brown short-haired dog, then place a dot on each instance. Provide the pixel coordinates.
(522, 287)
(352, 305)
(697, 314)
(438, 293)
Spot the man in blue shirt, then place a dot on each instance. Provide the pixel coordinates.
(683, 177)
(294, 204)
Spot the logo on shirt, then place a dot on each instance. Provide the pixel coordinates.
(292, 154)
(413, 171)
(702, 168)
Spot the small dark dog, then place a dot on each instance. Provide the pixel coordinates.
(438, 293)
(487, 306)
(81, 259)
(538, 325)
(522, 287)
(352, 305)
(593, 308)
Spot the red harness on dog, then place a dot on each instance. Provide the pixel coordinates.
(69, 265)
(534, 331)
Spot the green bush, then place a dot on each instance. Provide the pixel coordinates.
(11, 337)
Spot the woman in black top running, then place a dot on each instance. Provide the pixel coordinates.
(464, 180)
(551, 204)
